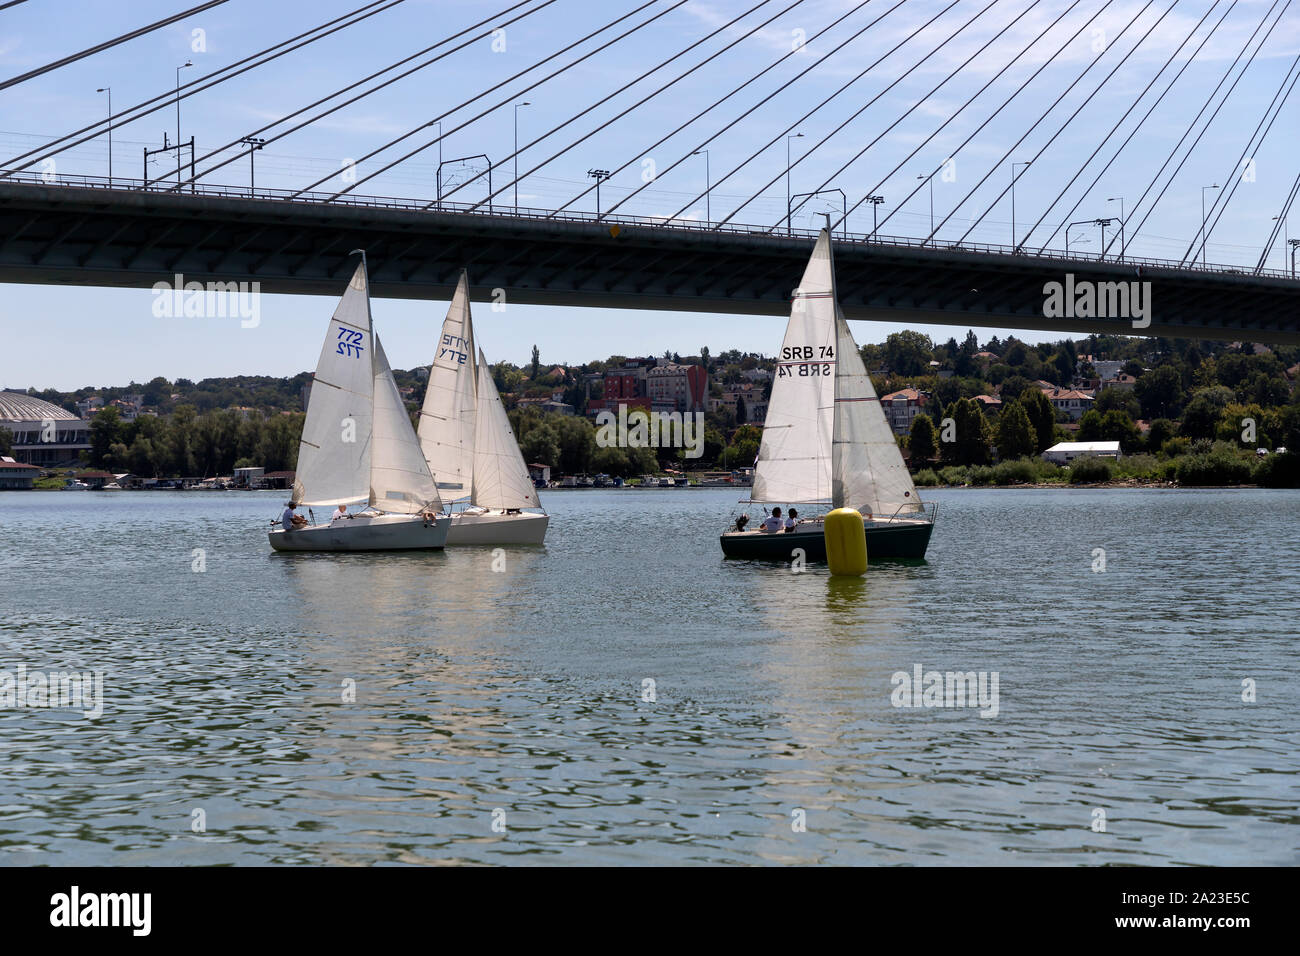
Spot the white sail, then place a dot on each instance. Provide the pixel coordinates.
(335, 449)
(794, 457)
(867, 468)
(500, 473)
(447, 419)
(400, 480)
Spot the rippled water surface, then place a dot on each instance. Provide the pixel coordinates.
(516, 697)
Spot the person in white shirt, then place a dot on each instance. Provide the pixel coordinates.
(773, 521)
(792, 521)
(340, 512)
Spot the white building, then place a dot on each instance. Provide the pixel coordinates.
(1066, 451)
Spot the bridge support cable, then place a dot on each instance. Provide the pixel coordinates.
(503, 102)
(911, 109)
(754, 155)
(109, 44)
(1051, 139)
(605, 125)
(1145, 116)
(992, 116)
(867, 105)
(1250, 149)
(1136, 102)
(1277, 227)
(1133, 233)
(165, 100)
(494, 19)
(722, 99)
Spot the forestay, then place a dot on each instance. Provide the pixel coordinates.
(447, 419)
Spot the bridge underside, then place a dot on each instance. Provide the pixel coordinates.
(128, 238)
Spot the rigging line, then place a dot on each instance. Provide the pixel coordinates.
(639, 102)
(109, 44)
(826, 100)
(993, 39)
(898, 207)
(1192, 125)
(1078, 109)
(718, 102)
(1121, 120)
(11, 3)
(478, 96)
(351, 86)
(1226, 195)
(1281, 219)
(166, 99)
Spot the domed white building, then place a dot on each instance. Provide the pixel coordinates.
(45, 435)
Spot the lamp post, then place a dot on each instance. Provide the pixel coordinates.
(598, 175)
(1204, 238)
(1294, 244)
(109, 91)
(1013, 202)
(517, 105)
(1120, 200)
(254, 144)
(1103, 223)
(178, 119)
(931, 178)
(787, 178)
(1077, 222)
(875, 203)
(708, 208)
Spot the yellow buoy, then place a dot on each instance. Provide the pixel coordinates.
(846, 542)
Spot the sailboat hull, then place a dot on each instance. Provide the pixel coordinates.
(497, 528)
(900, 538)
(366, 533)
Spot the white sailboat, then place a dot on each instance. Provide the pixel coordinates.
(826, 441)
(469, 444)
(358, 447)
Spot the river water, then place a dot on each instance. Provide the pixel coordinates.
(625, 695)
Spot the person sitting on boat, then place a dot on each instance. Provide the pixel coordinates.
(792, 521)
(773, 521)
(340, 512)
(290, 520)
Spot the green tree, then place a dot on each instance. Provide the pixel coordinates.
(1161, 430)
(1015, 434)
(537, 361)
(1201, 417)
(923, 442)
(970, 434)
(908, 353)
(6, 442)
(1042, 416)
(105, 431)
(1160, 392)
(1013, 387)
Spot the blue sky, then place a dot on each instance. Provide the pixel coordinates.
(67, 337)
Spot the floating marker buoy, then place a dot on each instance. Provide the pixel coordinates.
(846, 542)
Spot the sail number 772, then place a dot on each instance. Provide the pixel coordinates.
(349, 343)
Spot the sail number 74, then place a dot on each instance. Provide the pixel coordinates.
(808, 359)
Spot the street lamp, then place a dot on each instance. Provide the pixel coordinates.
(875, 202)
(787, 179)
(931, 178)
(708, 208)
(598, 175)
(1077, 222)
(178, 119)
(1294, 244)
(109, 91)
(517, 105)
(1103, 223)
(1204, 237)
(1120, 200)
(254, 144)
(1013, 202)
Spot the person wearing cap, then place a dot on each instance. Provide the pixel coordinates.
(289, 520)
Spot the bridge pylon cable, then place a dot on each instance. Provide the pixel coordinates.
(109, 44)
(517, 93)
(1086, 100)
(1136, 102)
(494, 19)
(1133, 233)
(163, 100)
(992, 116)
(654, 69)
(1277, 227)
(1238, 170)
(722, 99)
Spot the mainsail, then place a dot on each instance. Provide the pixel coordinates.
(500, 473)
(447, 418)
(826, 436)
(334, 452)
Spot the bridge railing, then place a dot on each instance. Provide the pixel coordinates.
(694, 226)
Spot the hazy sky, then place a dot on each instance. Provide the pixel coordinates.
(68, 337)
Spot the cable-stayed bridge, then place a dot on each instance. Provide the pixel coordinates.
(188, 218)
